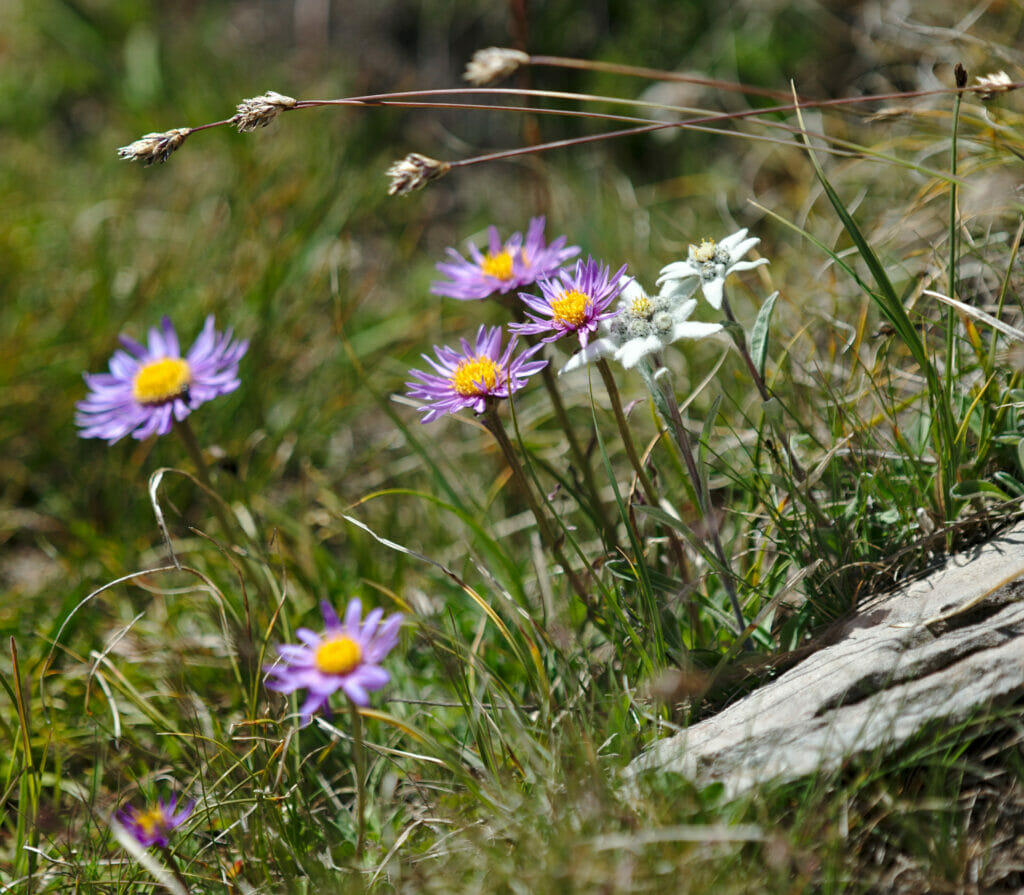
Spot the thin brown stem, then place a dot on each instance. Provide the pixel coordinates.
(168, 857)
(656, 74)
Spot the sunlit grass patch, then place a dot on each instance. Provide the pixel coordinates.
(799, 416)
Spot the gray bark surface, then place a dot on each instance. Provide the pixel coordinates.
(940, 649)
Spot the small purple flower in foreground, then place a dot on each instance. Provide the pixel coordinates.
(470, 378)
(345, 657)
(148, 388)
(153, 826)
(505, 266)
(574, 303)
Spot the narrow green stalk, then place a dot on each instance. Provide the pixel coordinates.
(665, 398)
(359, 755)
(952, 321)
(741, 346)
(762, 387)
(494, 425)
(678, 554)
(943, 428)
(188, 439)
(625, 432)
(580, 459)
(29, 789)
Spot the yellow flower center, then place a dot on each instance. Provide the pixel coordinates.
(338, 655)
(704, 252)
(571, 308)
(640, 306)
(475, 376)
(499, 266)
(161, 380)
(150, 821)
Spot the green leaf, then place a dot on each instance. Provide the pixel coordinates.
(759, 337)
(977, 488)
(1009, 483)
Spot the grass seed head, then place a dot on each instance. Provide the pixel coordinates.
(990, 85)
(154, 147)
(493, 64)
(259, 111)
(414, 172)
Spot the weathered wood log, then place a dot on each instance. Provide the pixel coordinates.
(940, 649)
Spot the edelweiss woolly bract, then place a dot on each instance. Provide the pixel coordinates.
(575, 302)
(469, 378)
(345, 657)
(645, 325)
(150, 386)
(505, 266)
(710, 263)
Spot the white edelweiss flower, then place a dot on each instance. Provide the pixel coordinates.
(710, 263)
(645, 325)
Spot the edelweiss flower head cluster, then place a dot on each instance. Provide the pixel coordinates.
(644, 325)
(710, 263)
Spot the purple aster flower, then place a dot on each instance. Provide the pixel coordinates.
(153, 826)
(345, 657)
(505, 266)
(469, 378)
(574, 303)
(148, 388)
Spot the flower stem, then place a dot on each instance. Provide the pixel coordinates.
(665, 397)
(762, 387)
(359, 755)
(678, 554)
(168, 857)
(494, 425)
(192, 448)
(580, 459)
(624, 431)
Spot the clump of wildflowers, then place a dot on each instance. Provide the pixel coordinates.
(574, 302)
(645, 325)
(469, 378)
(345, 657)
(505, 265)
(710, 263)
(149, 387)
(153, 826)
